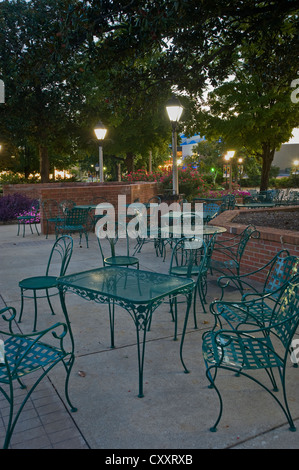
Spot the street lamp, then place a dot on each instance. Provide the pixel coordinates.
(229, 155)
(174, 110)
(100, 132)
(296, 164)
(240, 168)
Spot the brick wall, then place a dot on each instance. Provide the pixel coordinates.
(83, 193)
(259, 251)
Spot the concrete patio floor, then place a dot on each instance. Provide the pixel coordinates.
(177, 409)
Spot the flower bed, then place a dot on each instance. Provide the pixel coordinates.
(13, 205)
(238, 193)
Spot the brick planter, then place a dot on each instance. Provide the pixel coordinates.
(83, 193)
(259, 252)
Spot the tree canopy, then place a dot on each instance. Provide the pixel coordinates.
(68, 63)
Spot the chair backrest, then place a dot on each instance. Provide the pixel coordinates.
(61, 250)
(76, 216)
(231, 201)
(154, 199)
(98, 199)
(285, 318)
(225, 202)
(120, 232)
(51, 208)
(210, 249)
(66, 205)
(34, 207)
(188, 252)
(249, 232)
(282, 271)
(211, 208)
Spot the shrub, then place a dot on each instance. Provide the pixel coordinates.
(13, 205)
(222, 192)
(189, 179)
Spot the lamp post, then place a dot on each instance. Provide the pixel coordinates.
(240, 168)
(100, 132)
(296, 164)
(174, 110)
(229, 155)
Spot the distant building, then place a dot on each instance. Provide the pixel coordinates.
(283, 158)
(288, 152)
(187, 144)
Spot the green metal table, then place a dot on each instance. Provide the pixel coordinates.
(169, 234)
(138, 292)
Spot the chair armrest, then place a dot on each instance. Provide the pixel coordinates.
(240, 312)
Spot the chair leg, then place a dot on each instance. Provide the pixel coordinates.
(22, 306)
(49, 302)
(35, 310)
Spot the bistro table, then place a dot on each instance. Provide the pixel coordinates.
(169, 234)
(139, 292)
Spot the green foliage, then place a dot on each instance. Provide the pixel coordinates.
(191, 181)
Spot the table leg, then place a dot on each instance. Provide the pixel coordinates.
(189, 302)
(111, 319)
(65, 313)
(142, 316)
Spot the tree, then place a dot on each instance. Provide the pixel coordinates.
(42, 83)
(254, 108)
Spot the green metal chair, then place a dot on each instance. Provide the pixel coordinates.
(149, 233)
(256, 305)
(211, 210)
(61, 253)
(30, 217)
(190, 258)
(115, 259)
(30, 354)
(248, 349)
(52, 213)
(232, 250)
(76, 220)
(96, 217)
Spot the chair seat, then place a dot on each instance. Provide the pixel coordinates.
(121, 260)
(231, 263)
(183, 270)
(27, 217)
(40, 355)
(259, 312)
(38, 282)
(70, 228)
(240, 352)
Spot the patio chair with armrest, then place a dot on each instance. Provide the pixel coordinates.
(33, 287)
(30, 354)
(249, 348)
(256, 304)
(232, 250)
(190, 258)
